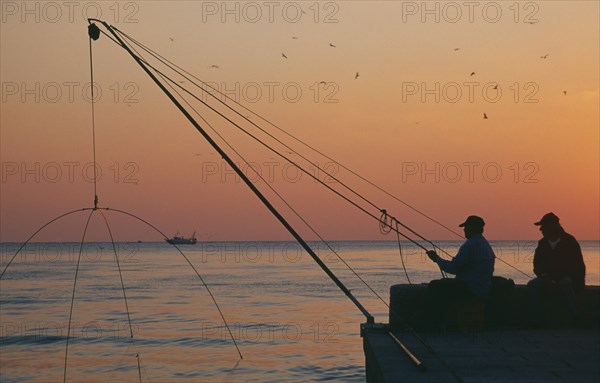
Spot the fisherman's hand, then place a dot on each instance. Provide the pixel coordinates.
(432, 255)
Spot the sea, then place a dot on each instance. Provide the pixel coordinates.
(215, 312)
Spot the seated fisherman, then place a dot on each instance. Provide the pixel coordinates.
(559, 268)
(473, 267)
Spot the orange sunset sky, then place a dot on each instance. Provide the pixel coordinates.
(412, 121)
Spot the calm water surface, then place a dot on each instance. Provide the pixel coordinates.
(291, 323)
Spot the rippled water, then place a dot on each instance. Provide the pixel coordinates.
(291, 323)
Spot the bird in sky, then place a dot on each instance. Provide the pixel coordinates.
(545, 56)
(356, 76)
(323, 82)
(496, 87)
(284, 56)
(565, 92)
(294, 38)
(456, 49)
(332, 45)
(172, 39)
(472, 73)
(485, 117)
(214, 67)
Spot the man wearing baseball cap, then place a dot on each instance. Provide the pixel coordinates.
(558, 266)
(473, 267)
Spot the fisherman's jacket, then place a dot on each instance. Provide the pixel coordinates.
(565, 260)
(473, 264)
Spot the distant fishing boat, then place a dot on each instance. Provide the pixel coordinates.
(181, 240)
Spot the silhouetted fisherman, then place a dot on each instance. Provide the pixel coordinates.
(559, 267)
(473, 267)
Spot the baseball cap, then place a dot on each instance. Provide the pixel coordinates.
(548, 218)
(473, 220)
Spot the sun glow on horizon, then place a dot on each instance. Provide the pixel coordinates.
(494, 117)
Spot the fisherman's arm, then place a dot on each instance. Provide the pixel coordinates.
(453, 266)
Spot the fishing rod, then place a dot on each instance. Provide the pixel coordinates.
(238, 171)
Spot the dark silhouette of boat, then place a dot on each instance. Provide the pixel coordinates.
(181, 240)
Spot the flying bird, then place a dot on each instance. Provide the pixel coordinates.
(356, 76)
(472, 73)
(323, 82)
(172, 39)
(284, 56)
(545, 56)
(496, 87)
(456, 49)
(565, 92)
(294, 38)
(485, 117)
(331, 45)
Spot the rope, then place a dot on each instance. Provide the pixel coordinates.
(152, 226)
(92, 210)
(285, 201)
(112, 241)
(402, 259)
(229, 377)
(35, 233)
(193, 268)
(246, 180)
(73, 294)
(139, 369)
(122, 286)
(93, 124)
(173, 66)
(165, 61)
(274, 150)
(39, 230)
